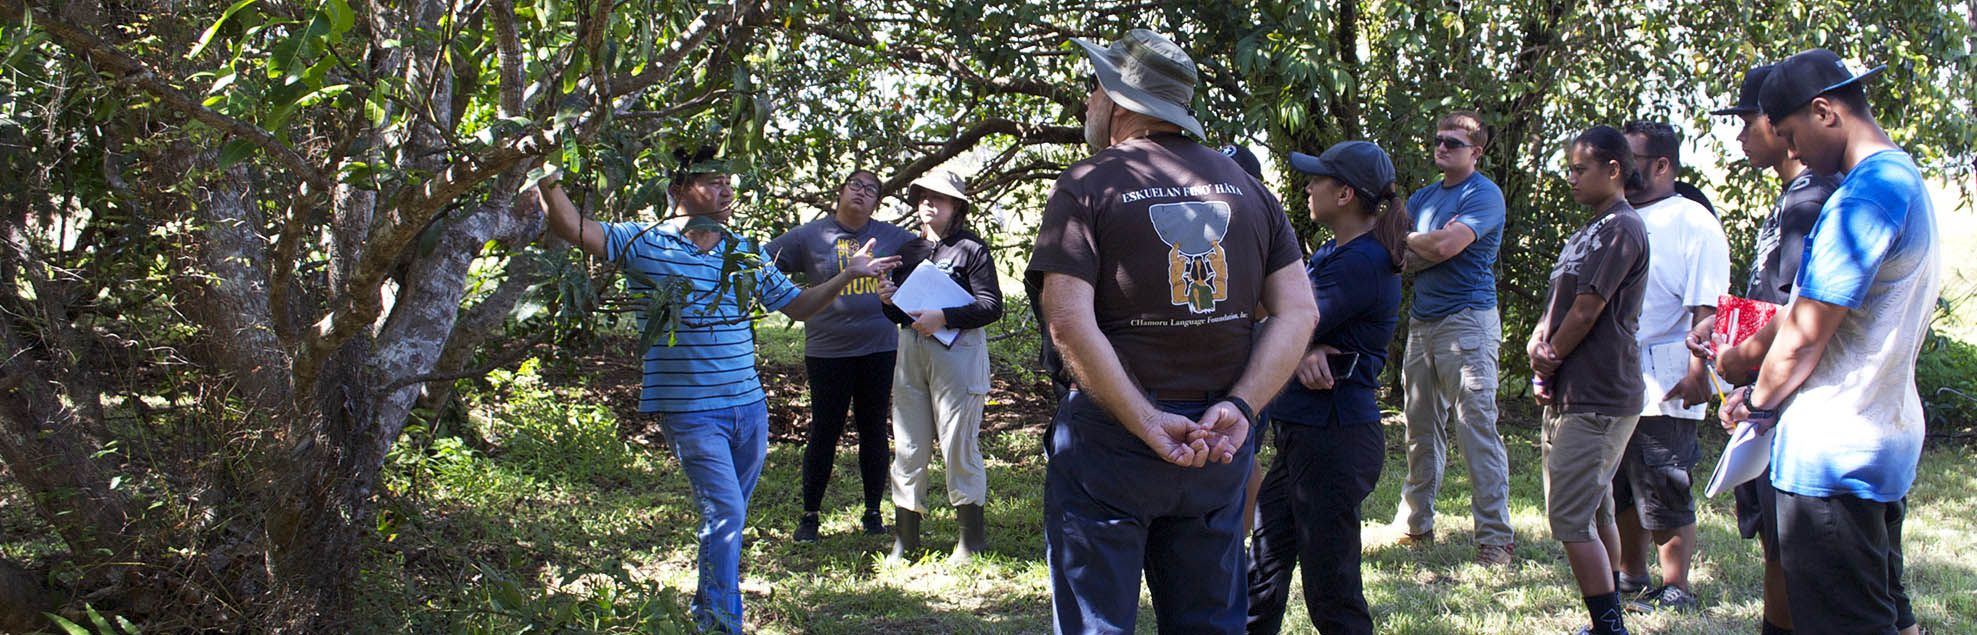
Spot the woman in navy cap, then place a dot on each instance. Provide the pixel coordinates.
(1329, 443)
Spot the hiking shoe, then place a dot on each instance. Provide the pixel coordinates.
(1665, 598)
(1423, 539)
(1496, 555)
(874, 526)
(806, 529)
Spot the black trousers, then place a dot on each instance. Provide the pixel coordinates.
(1308, 513)
(1843, 563)
(862, 385)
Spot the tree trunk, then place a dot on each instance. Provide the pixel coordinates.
(22, 600)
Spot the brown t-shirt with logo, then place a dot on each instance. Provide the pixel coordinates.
(1176, 241)
(1607, 258)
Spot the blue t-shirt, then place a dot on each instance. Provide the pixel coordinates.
(1855, 427)
(1358, 294)
(1466, 280)
(711, 364)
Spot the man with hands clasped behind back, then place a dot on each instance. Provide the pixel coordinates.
(1154, 256)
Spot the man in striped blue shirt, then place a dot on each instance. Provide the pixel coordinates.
(702, 384)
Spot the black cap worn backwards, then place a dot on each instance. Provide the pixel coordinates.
(1360, 164)
(1797, 80)
(1747, 96)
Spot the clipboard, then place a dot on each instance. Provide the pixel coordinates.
(930, 289)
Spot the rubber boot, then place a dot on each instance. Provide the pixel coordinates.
(905, 533)
(974, 531)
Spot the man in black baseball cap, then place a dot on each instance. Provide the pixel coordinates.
(1835, 387)
(1774, 268)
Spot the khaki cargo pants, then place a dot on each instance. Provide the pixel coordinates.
(1450, 377)
(937, 398)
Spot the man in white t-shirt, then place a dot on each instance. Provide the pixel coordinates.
(1688, 267)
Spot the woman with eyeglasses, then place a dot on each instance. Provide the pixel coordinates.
(1330, 447)
(940, 387)
(848, 347)
(1586, 364)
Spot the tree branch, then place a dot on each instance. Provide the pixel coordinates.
(109, 60)
(1029, 134)
(501, 15)
(948, 63)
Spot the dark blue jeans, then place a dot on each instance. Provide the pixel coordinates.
(1112, 509)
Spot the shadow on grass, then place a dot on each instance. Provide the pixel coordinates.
(540, 522)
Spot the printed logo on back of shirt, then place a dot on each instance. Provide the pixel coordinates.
(1197, 266)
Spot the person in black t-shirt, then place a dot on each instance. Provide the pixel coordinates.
(939, 389)
(1154, 256)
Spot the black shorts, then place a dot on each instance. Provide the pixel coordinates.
(1754, 502)
(1654, 473)
(1842, 558)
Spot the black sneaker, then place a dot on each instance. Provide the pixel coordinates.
(874, 526)
(1665, 598)
(806, 528)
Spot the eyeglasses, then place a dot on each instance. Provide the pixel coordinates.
(869, 187)
(1450, 143)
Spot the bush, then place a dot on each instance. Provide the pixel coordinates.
(1946, 375)
(547, 435)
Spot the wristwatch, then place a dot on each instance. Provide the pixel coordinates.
(1248, 413)
(1756, 413)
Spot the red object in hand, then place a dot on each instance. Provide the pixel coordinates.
(1737, 318)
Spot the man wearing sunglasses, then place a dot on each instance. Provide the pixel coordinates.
(1453, 331)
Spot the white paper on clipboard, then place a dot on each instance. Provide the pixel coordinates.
(1664, 366)
(1746, 456)
(929, 289)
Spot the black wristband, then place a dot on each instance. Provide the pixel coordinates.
(1248, 413)
(1756, 413)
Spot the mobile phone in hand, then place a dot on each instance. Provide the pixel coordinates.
(1342, 364)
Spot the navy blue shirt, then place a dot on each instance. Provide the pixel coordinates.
(1358, 290)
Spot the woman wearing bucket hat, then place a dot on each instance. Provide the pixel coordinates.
(1329, 444)
(939, 389)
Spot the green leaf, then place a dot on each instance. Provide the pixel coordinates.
(102, 625)
(234, 151)
(207, 37)
(69, 627)
(342, 19)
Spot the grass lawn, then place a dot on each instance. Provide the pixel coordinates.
(559, 516)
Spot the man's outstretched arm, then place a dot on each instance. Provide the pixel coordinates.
(566, 223)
